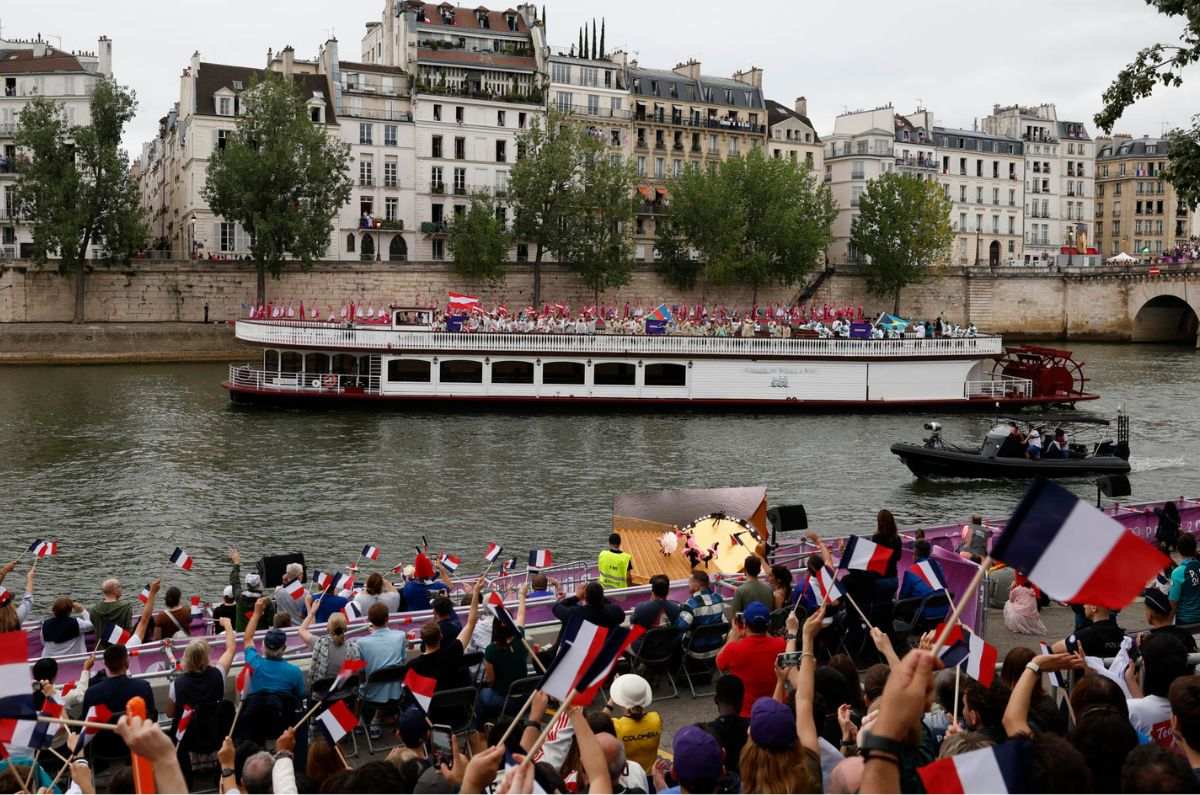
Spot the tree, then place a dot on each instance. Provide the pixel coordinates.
(755, 220)
(280, 176)
(1163, 64)
(902, 227)
(478, 240)
(599, 249)
(75, 186)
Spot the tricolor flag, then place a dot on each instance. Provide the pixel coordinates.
(540, 558)
(863, 555)
(924, 571)
(118, 635)
(181, 559)
(349, 668)
(295, 589)
(323, 579)
(1056, 677)
(1000, 768)
(42, 548)
(661, 312)
(462, 302)
(1073, 552)
(450, 562)
(98, 713)
(963, 645)
(185, 718)
(53, 706)
(144, 596)
(422, 688)
(507, 566)
(352, 610)
(493, 552)
(370, 552)
(25, 733)
(197, 605)
(499, 611)
(16, 698)
(586, 654)
(825, 586)
(243, 679)
(338, 721)
(399, 567)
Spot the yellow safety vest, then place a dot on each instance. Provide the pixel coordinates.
(614, 568)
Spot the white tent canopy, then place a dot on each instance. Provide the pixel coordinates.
(1122, 258)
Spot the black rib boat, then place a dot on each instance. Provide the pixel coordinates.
(937, 459)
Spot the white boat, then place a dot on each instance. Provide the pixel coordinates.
(407, 360)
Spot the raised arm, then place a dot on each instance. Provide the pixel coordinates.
(802, 679)
(521, 609)
(252, 625)
(464, 637)
(235, 573)
(143, 625)
(310, 615)
(226, 658)
(591, 757)
(822, 549)
(6, 569)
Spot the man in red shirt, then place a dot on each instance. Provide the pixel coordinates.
(749, 654)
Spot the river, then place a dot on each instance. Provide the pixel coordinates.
(121, 464)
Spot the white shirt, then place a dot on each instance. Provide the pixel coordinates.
(1151, 717)
(76, 645)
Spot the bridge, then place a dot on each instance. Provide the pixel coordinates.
(1157, 304)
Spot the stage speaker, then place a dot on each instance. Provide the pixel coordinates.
(788, 523)
(272, 568)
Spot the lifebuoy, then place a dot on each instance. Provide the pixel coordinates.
(329, 381)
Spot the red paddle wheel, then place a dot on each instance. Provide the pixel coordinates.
(1054, 373)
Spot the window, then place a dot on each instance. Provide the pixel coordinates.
(458, 114)
(390, 173)
(615, 137)
(563, 98)
(365, 132)
(436, 185)
(962, 166)
(676, 168)
(228, 237)
(615, 103)
(995, 224)
(390, 206)
(502, 215)
(389, 135)
(563, 373)
(979, 168)
(224, 106)
(641, 166)
(460, 181)
(460, 148)
(615, 374)
(593, 105)
(439, 249)
(499, 118)
(501, 151)
(512, 372)
(856, 170)
(314, 114)
(659, 168)
(1012, 197)
(995, 169)
(962, 193)
(666, 375)
(366, 171)
(561, 72)
(350, 243)
(436, 146)
(366, 205)
(460, 212)
(522, 252)
(995, 195)
(437, 112)
(521, 120)
(979, 195)
(408, 371)
(460, 371)
(222, 138)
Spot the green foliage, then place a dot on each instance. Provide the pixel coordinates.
(1163, 64)
(600, 250)
(282, 177)
(755, 220)
(74, 183)
(478, 240)
(903, 227)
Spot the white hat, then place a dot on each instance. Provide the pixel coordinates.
(228, 592)
(631, 690)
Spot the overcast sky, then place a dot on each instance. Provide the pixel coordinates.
(956, 57)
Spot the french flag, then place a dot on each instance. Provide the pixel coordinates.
(499, 611)
(450, 562)
(338, 721)
(185, 719)
(863, 555)
(53, 706)
(370, 552)
(243, 679)
(144, 596)
(118, 635)
(98, 713)
(1000, 768)
(587, 653)
(25, 733)
(181, 559)
(826, 585)
(349, 668)
(295, 590)
(43, 548)
(197, 605)
(964, 645)
(493, 552)
(540, 558)
(1073, 552)
(323, 579)
(421, 687)
(507, 566)
(925, 572)
(352, 611)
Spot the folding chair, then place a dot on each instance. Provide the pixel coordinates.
(658, 653)
(348, 693)
(695, 652)
(367, 708)
(454, 708)
(518, 693)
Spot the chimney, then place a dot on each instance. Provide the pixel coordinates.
(619, 57)
(751, 77)
(289, 60)
(802, 106)
(690, 69)
(104, 50)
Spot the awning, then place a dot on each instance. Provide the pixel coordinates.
(663, 193)
(647, 192)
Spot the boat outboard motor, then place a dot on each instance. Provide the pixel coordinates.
(934, 440)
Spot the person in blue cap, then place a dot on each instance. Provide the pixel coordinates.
(749, 654)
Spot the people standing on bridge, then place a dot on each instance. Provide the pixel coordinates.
(1185, 583)
(616, 566)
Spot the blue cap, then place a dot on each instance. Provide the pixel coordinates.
(697, 757)
(275, 639)
(757, 615)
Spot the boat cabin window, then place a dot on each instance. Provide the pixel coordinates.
(615, 374)
(666, 375)
(409, 371)
(345, 364)
(461, 371)
(512, 372)
(562, 373)
(412, 317)
(316, 363)
(290, 362)
(271, 360)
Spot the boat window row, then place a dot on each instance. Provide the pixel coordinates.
(336, 363)
(471, 371)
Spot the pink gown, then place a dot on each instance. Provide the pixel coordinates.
(1021, 613)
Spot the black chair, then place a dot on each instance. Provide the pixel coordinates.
(659, 653)
(348, 693)
(518, 693)
(265, 716)
(910, 616)
(367, 707)
(469, 661)
(777, 625)
(206, 730)
(454, 708)
(695, 652)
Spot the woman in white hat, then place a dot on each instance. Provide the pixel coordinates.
(638, 729)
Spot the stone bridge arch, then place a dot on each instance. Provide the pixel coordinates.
(1166, 309)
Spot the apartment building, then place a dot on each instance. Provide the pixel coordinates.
(983, 176)
(1059, 182)
(479, 78)
(860, 149)
(595, 92)
(791, 136)
(28, 68)
(1137, 211)
(684, 117)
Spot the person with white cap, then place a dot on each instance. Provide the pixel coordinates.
(227, 608)
(250, 596)
(638, 729)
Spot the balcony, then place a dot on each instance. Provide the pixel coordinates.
(394, 224)
(437, 187)
(377, 115)
(460, 190)
(598, 113)
(533, 97)
(917, 162)
(704, 124)
(366, 183)
(433, 227)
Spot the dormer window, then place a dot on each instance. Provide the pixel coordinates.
(511, 19)
(237, 85)
(224, 106)
(481, 16)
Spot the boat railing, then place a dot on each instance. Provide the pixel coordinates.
(247, 377)
(323, 336)
(1006, 386)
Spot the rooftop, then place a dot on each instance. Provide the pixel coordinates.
(212, 77)
(669, 85)
(778, 112)
(1135, 147)
(24, 61)
(479, 18)
(483, 60)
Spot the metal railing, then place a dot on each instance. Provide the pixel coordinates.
(247, 377)
(324, 336)
(1004, 386)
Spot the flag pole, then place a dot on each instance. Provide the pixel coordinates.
(237, 713)
(957, 680)
(859, 610)
(532, 654)
(341, 756)
(84, 724)
(541, 740)
(516, 718)
(33, 766)
(308, 714)
(968, 593)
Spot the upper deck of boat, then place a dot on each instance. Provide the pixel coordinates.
(319, 336)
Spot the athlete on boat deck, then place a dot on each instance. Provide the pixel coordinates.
(616, 567)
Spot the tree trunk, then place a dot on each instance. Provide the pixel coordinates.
(80, 292)
(537, 277)
(261, 285)
(896, 303)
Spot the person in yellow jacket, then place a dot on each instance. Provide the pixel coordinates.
(640, 730)
(616, 567)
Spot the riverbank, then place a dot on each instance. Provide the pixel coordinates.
(118, 343)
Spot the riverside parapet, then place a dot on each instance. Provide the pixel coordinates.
(118, 343)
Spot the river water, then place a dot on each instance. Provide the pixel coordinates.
(122, 464)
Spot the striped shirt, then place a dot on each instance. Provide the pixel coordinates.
(702, 609)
